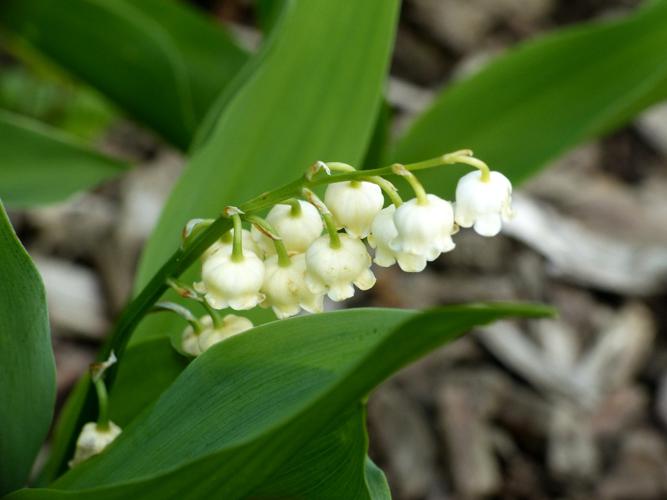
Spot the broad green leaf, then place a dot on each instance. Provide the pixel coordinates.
(148, 368)
(43, 165)
(158, 59)
(27, 369)
(314, 96)
(248, 406)
(333, 465)
(545, 96)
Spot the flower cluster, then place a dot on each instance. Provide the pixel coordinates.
(297, 254)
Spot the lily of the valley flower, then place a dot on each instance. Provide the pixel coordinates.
(298, 225)
(483, 203)
(194, 344)
(334, 270)
(92, 440)
(424, 228)
(354, 205)
(383, 232)
(285, 288)
(232, 282)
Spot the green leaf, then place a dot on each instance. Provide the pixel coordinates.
(148, 368)
(158, 59)
(544, 97)
(268, 12)
(237, 417)
(27, 381)
(314, 96)
(43, 165)
(333, 465)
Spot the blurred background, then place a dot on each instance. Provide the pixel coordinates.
(573, 408)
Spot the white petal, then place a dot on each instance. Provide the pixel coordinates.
(314, 303)
(411, 263)
(384, 257)
(366, 280)
(340, 291)
(488, 224)
(283, 312)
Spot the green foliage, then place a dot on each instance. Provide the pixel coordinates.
(545, 96)
(27, 384)
(310, 99)
(159, 60)
(45, 97)
(43, 165)
(248, 412)
(278, 410)
(133, 391)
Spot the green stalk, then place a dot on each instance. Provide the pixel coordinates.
(237, 245)
(102, 405)
(295, 211)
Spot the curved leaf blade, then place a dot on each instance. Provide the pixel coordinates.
(544, 97)
(27, 378)
(43, 165)
(246, 407)
(159, 60)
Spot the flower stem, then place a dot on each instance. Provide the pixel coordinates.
(268, 230)
(416, 186)
(334, 238)
(473, 162)
(237, 248)
(388, 188)
(181, 311)
(335, 166)
(102, 404)
(216, 319)
(295, 211)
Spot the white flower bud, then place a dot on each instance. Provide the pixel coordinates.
(92, 441)
(286, 290)
(383, 232)
(226, 242)
(424, 229)
(194, 344)
(190, 342)
(334, 270)
(297, 232)
(353, 205)
(483, 204)
(229, 283)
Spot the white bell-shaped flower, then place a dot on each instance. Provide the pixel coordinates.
(354, 205)
(190, 341)
(424, 229)
(297, 231)
(93, 440)
(285, 288)
(483, 204)
(334, 270)
(227, 282)
(194, 344)
(225, 242)
(383, 232)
